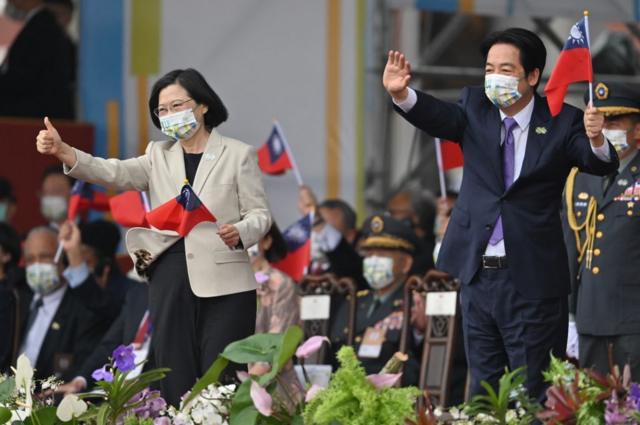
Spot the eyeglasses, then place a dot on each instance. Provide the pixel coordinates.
(175, 106)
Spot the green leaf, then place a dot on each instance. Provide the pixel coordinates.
(210, 377)
(103, 413)
(5, 415)
(297, 420)
(7, 388)
(256, 348)
(44, 416)
(285, 352)
(242, 409)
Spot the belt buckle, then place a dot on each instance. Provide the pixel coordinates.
(485, 264)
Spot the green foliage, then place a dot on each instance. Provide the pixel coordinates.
(135, 420)
(497, 404)
(7, 389)
(44, 416)
(351, 399)
(5, 415)
(212, 376)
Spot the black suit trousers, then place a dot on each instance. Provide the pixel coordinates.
(188, 331)
(504, 329)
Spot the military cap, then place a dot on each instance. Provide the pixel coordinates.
(385, 232)
(614, 98)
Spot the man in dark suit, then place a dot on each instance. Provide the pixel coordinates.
(36, 74)
(389, 246)
(131, 327)
(59, 330)
(605, 257)
(504, 240)
(11, 287)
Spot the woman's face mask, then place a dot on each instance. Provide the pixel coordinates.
(378, 271)
(42, 278)
(618, 139)
(180, 125)
(4, 211)
(53, 207)
(502, 90)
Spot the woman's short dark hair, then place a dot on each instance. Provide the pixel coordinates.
(533, 54)
(199, 90)
(10, 243)
(278, 249)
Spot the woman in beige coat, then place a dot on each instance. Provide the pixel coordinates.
(201, 287)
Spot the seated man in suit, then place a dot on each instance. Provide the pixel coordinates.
(504, 240)
(59, 330)
(389, 247)
(131, 327)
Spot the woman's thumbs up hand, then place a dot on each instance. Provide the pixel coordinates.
(48, 142)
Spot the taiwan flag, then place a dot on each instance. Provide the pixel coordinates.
(129, 209)
(181, 214)
(451, 162)
(84, 198)
(298, 238)
(273, 156)
(573, 65)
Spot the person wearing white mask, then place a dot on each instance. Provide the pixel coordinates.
(504, 240)
(58, 329)
(202, 290)
(602, 224)
(388, 248)
(54, 196)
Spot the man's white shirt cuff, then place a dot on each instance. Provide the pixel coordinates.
(409, 102)
(602, 152)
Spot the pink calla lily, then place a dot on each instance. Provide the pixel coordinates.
(310, 346)
(312, 392)
(261, 399)
(384, 380)
(261, 277)
(242, 375)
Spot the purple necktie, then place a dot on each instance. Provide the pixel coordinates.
(508, 159)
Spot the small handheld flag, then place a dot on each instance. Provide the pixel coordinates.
(298, 239)
(573, 65)
(180, 214)
(129, 209)
(450, 161)
(83, 198)
(275, 157)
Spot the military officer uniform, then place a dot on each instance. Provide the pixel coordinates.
(602, 231)
(381, 316)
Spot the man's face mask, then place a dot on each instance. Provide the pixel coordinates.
(618, 139)
(378, 271)
(502, 90)
(42, 278)
(180, 125)
(12, 12)
(53, 207)
(4, 211)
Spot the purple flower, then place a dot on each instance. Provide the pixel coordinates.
(634, 395)
(151, 404)
(163, 420)
(261, 399)
(102, 374)
(124, 358)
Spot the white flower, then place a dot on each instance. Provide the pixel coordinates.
(24, 379)
(70, 407)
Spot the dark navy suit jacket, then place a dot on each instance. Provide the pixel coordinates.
(530, 208)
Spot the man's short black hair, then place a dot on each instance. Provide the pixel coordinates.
(6, 190)
(348, 214)
(57, 169)
(533, 54)
(102, 236)
(199, 90)
(66, 3)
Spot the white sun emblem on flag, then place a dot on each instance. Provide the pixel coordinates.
(576, 36)
(297, 234)
(277, 145)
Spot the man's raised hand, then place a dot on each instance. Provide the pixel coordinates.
(396, 76)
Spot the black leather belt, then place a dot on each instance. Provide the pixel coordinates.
(491, 262)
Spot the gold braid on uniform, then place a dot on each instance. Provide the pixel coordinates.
(588, 225)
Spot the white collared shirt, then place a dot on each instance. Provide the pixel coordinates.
(520, 136)
(36, 335)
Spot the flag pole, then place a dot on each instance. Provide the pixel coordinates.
(56, 259)
(586, 29)
(296, 170)
(443, 189)
(145, 201)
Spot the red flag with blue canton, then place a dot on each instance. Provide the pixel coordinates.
(127, 209)
(273, 157)
(298, 239)
(573, 65)
(84, 198)
(181, 214)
